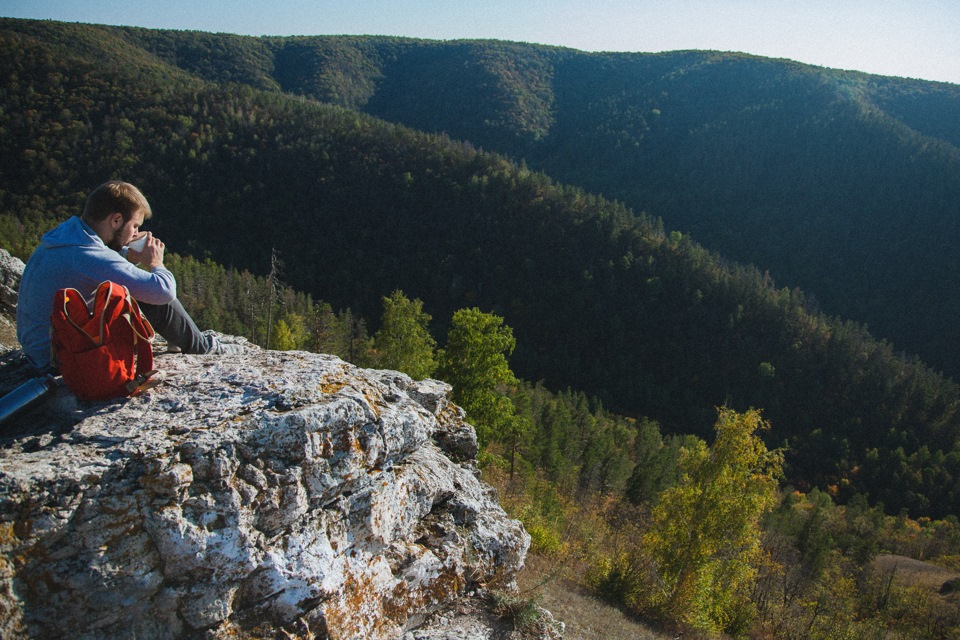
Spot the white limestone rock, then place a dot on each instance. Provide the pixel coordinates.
(11, 269)
(266, 490)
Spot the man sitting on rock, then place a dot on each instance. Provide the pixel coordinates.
(87, 250)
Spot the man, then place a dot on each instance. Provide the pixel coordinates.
(85, 251)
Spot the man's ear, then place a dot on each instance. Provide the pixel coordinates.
(116, 220)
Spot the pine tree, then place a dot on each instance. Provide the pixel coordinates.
(475, 363)
(403, 342)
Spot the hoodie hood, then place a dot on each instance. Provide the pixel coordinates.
(72, 233)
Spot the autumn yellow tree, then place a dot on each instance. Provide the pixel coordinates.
(289, 332)
(705, 534)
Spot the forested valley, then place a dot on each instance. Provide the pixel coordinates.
(841, 183)
(634, 351)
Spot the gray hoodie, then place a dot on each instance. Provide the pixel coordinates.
(73, 255)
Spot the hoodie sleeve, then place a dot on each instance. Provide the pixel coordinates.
(157, 286)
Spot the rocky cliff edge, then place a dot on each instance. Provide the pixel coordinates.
(265, 494)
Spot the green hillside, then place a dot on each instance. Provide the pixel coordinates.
(845, 184)
(600, 299)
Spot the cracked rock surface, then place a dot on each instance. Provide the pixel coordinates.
(282, 491)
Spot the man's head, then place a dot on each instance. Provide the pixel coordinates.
(115, 210)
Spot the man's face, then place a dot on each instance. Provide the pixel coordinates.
(126, 231)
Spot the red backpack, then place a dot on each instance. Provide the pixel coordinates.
(104, 352)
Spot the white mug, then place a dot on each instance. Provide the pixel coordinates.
(139, 243)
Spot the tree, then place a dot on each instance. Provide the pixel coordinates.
(282, 336)
(274, 285)
(404, 342)
(705, 532)
(475, 363)
(290, 332)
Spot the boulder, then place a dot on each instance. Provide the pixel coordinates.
(249, 495)
(11, 268)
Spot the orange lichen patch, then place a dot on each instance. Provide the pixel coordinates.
(399, 603)
(8, 540)
(450, 416)
(121, 529)
(356, 614)
(344, 442)
(366, 612)
(374, 398)
(330, 388)
(7, 535)
(326, 446)
(403, 600)
(10, 615)
(167, 483)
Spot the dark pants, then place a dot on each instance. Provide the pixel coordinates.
(174, 323)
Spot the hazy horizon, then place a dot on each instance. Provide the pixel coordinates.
(879, 36)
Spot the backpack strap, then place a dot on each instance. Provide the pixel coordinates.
(112, 300)
(141, 326)
(147, 377)
(74, 306)
(70, 307)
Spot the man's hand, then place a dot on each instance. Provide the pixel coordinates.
(151, 256)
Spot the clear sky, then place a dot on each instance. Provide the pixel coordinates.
(910, 38)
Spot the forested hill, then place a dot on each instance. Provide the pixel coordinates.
(842, 183)
(600, 299)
